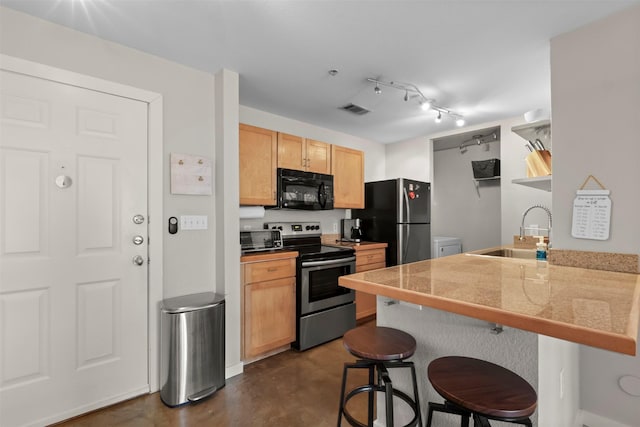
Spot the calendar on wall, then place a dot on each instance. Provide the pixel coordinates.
(591, 213)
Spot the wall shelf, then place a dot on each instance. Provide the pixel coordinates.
(531, 131)
(538, 182)
(487, 179)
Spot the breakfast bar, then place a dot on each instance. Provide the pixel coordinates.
(592, 307)
(523, 314)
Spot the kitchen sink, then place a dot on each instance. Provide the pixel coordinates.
(508, 253)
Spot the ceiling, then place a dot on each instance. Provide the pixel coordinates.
(486, 60)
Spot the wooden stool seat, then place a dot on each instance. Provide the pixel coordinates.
(379, 349)
(379, 343)
(482, 388)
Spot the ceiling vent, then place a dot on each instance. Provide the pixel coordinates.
(355, 109)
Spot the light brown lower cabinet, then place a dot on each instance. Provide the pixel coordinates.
(366, 260)
(269, 306)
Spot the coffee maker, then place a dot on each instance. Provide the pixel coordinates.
(351, 230)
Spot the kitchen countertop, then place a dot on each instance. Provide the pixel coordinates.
(268, 255)
(592, 307)
(362, 246)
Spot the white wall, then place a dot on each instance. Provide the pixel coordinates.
(462, 206)
(595, 86)
(409, 159)
(558, 382)
(517, 198)
(226, 207)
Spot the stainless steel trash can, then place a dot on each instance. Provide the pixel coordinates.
(191, 347)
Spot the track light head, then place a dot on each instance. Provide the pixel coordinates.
(406, 96)
(377, 89)
(426, 105)
(460, 122)
(439, 118)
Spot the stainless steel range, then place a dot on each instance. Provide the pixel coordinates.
(324, 309)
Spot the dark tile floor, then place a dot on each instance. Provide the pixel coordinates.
(289, 389)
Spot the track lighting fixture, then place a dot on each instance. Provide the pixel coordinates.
(412, 91)
(479, 140)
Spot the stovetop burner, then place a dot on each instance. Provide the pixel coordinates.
(321, 252)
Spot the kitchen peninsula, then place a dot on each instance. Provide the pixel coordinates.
(592, 307)
(446, 304)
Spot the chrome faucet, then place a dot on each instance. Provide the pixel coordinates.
(544, 208)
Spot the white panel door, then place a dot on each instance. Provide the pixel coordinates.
(73, 304)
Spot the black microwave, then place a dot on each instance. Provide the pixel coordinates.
(304, 190)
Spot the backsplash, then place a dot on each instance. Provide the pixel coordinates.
(623, 263)
(328, 219)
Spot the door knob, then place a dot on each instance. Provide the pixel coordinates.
(138, 219)
(138, 240)
(138, 260)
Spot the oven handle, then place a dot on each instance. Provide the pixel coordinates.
(328, 262)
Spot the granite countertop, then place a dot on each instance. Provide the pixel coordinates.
(592, 307)
(268, 255)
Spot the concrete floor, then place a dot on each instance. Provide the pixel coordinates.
(289, 389)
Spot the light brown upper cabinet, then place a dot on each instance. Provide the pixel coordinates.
(295, 152)
(347, 168)
(258, 162)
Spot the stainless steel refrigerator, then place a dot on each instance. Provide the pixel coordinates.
(398, 212)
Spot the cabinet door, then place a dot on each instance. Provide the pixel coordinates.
(269, 317)
(347, 167)
(318, 156)
(365, 261)
(365, 305)
(291, 152)
(258, 162)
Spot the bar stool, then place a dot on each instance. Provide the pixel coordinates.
(379, 349)
(481, 389)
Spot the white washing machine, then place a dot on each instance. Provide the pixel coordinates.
(443, 246)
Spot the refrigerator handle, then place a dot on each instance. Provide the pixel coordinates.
(405, 249)
(405, 196)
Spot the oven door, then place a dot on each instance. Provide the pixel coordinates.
(319, 289)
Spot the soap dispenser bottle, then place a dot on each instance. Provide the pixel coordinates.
(541, 249)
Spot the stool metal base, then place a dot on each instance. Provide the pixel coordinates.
(383, 385)
(479, 420)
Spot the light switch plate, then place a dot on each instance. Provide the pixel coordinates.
(193, 222)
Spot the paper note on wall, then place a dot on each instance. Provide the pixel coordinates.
(591, 215)
(190, 174)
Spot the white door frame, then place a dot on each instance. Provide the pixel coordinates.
(155, 179)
